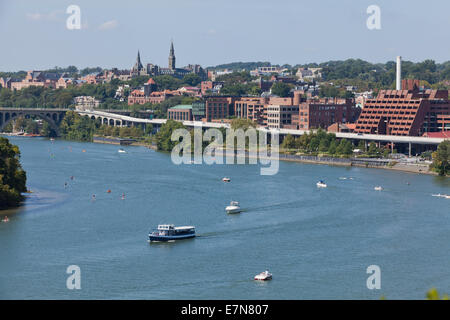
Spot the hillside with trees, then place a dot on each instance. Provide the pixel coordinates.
(12, 177)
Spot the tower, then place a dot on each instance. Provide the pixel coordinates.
(172, 57)
(138, 67)
(398, 82)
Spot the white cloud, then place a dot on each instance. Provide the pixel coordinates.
(108, 25)
(51, 16)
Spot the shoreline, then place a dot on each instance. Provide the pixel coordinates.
(415, 169)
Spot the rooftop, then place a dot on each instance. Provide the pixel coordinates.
(182, 106)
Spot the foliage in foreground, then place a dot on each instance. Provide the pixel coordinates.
(12, 176)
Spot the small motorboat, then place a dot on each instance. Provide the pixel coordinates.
(226, 179)
(233, 207)
(108, 191)
(122, 151)
(378, 188)
(5, 219)
(263, 276)
(321, 184)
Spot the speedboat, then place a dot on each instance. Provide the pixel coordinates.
(321, 184)
(233, 207)
(122, 151)
(5, 219)
(266, 275)
(168, 232)
(226, 179)
(378, 188)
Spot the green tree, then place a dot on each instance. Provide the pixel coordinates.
(332, 148)
(163, 137)
(12, 177)
(32, 127)
(75, 127)
(244, 124)
(441, 158)
(373, 150)
(281, 89)
(19, 124)
(345, 147)
(362, 146)
(192, 79)
(288, 142)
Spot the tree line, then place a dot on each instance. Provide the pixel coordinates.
(321, 142)
(12, 177)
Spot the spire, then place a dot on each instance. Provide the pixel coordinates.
(138, 65)
(172, 51)
(171, 57)
(138, 59)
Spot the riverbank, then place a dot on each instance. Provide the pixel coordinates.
(386, 164)
(123, 142)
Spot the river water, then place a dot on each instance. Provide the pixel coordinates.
(317, 243)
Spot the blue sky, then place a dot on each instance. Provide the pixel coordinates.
(209, 32)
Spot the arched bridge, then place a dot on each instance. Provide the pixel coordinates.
(52, 116)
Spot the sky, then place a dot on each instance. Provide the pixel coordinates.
(34, 35)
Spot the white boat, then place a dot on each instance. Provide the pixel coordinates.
(438, 195)
(378, 188)
(122, 151)
(321, 184)
(233, 207)
(226, 179)
(266, 275)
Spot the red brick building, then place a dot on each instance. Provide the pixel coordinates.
(412, 111)
(322, 113)
(219, 107)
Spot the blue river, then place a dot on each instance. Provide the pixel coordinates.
(317, 243)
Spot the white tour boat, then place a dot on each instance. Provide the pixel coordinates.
(266, 275)
(378, 188)
(233, 207)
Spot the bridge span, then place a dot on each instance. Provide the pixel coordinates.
(54, 117)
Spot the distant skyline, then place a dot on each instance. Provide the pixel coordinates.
(211, 32)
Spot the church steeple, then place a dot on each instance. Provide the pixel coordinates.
(138, 65)
(172, 57)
